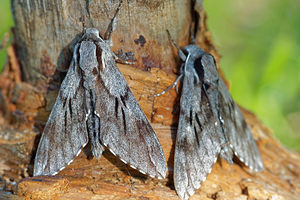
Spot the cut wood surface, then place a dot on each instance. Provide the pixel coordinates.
(45, 33)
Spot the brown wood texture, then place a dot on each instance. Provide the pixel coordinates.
(45, 33)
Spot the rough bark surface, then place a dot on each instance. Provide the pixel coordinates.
(45, 33)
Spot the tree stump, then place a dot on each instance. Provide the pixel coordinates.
(44, 36)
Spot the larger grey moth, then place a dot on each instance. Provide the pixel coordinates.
(96, 104)
(210, 124)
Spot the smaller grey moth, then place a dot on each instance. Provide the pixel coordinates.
(96, 105)
(210, 123)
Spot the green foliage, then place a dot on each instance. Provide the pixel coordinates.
(260, 45)
(6, 23)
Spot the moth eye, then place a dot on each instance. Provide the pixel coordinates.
(185, 52)
(95, 71)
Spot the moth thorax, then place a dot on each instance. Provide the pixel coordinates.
(90, 76)
(192, 76)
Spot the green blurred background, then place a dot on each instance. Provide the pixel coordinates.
(5, 23)
(259, 41)
(260, 46)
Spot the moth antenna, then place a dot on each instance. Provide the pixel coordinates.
(192, 33)
(112, 25)
(180, 53)
(82, 20)
(170, 87)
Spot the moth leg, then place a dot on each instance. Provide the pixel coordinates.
(120, 60)
(111, 27)
(171, 86)
(177, 89)
(180, 53)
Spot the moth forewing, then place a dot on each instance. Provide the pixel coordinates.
(95, 103)
(196, 146)
(125, 129)
(237, 131)
(64, 134)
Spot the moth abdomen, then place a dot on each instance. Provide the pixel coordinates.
(93, 125)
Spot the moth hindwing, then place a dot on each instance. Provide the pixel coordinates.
(95, 104)
(210, 124)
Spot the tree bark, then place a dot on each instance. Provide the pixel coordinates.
(45, 33)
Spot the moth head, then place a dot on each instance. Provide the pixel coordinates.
(92, 32)
(193, 60)
(203, 63)
(193, 51)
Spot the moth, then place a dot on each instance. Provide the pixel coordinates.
(96, 105)
(210, 123)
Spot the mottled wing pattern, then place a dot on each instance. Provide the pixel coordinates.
(197, 143)
(124, 128)
(235, 127)
(65, 133)
(237, 131)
